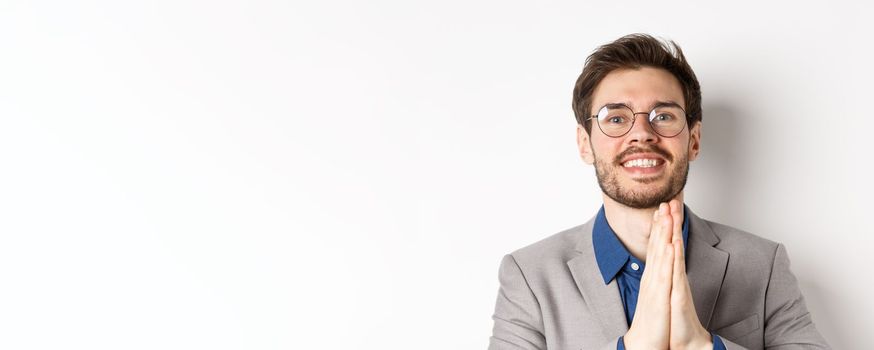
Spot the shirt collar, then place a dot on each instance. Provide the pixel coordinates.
(610, 253)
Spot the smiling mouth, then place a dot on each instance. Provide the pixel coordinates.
(642, 163)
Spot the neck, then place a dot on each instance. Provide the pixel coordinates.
(632, 225)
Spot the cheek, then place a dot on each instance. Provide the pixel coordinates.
(677, 145)
(606, 150)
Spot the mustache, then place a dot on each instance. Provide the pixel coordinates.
(635, 150)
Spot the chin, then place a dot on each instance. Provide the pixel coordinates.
(643, 196)
(651, 184)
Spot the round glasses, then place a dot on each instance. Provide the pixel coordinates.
(616, 119)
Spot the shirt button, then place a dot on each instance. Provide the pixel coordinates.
(635, 266)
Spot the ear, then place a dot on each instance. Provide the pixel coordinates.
(584, 145)
(695, 141)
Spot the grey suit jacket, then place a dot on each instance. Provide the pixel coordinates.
(552, 295)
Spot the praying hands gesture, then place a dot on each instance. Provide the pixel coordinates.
(665, 317)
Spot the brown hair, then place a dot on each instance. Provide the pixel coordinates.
(635, 51)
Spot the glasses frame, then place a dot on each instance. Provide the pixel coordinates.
(634, 119)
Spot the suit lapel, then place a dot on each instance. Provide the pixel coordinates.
(602, 299)
(705, 266)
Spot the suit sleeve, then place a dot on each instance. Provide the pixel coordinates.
(518, 320)
(787, 322)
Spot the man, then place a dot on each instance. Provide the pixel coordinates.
(645, 272)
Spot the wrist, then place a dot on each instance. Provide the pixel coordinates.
(631, 341)
(703, 342)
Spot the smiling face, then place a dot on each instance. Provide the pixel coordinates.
(641, 168)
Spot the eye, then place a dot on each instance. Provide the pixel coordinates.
(663, 117)
(616, 119)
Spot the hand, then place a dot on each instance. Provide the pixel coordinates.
(686, 329)
(651, 327)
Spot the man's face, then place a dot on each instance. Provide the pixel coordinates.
(639, 184)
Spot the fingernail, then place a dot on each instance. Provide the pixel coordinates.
(662, 208)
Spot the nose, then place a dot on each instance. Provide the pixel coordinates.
(641, 131)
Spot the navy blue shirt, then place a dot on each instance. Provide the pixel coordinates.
(615, 261)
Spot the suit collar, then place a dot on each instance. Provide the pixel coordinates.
(705, 266)
(610, 253)
(602, 299)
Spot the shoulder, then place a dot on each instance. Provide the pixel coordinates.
(742, 245)
(554, 251)
(731, 237)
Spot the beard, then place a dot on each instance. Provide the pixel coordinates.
(608, 179)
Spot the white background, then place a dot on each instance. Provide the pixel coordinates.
(348, 174)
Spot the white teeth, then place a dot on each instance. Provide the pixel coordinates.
(641, 163)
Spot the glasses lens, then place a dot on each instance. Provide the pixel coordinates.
(667, 121)
(615, 120)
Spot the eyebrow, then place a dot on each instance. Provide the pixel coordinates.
(656, 105)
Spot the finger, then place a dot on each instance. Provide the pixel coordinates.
(667, 224)
(653, 235)
(668, 258)
(678, 268)
(666, 271)
(677, 217)
(657, 248)
(650, 251)
(681, 256)
(681, 293)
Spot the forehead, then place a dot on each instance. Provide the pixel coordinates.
(638, 88)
